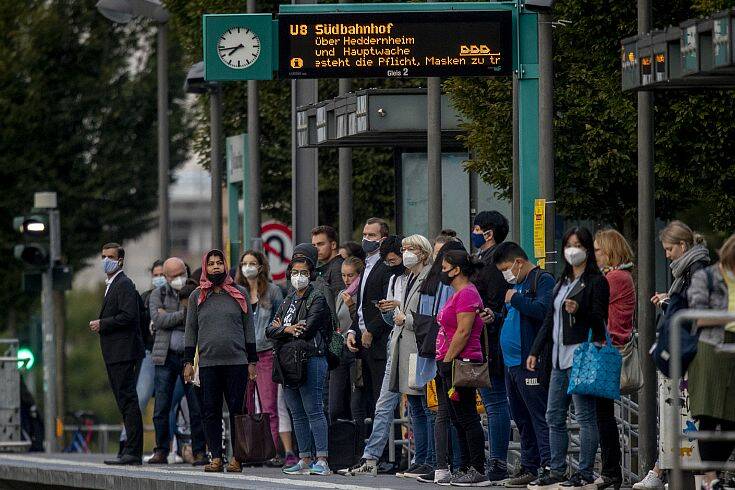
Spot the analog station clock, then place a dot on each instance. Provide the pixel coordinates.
(238, 47)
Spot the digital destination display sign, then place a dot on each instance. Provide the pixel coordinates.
(395, 44)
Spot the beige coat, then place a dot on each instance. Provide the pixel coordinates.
(403, 338)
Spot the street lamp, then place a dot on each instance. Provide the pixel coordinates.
(195, 84)
(122, 12)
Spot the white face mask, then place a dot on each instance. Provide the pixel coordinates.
(410, 259)
(575, 255)
(509, 277)
(178, 282)
(299, 282)
(249, 271)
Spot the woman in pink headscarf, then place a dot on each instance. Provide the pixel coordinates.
(220, 324)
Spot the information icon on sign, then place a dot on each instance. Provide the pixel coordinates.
(297, 63)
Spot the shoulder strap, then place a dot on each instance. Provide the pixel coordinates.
(534, 283)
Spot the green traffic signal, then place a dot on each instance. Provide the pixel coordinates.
(26, 359)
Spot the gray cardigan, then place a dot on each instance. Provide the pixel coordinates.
(264, 314)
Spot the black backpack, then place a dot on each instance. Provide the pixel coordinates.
(688, 340)
(344, 444)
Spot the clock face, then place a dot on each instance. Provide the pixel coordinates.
(238, 47)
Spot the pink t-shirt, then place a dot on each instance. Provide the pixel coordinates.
(465, 301)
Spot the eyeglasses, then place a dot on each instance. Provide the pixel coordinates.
(409, 248)
(300, 273)
(388, 264)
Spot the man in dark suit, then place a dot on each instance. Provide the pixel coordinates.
(369, 332)
(122, 348)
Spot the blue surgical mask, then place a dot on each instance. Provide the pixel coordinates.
(158, 281)
(478, 239)
(110, 265)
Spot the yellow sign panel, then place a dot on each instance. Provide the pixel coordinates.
(539, 229)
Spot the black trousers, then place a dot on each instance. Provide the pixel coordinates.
(217, 382)
(340, 388)
(464, 417)
(609, 438)
(715, 450)
(123, 378)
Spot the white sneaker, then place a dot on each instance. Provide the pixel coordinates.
(174, 458)
(650, 481)
(440, 475)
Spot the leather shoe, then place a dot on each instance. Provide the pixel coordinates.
(159, 457)
(125, 460)
(200, 459)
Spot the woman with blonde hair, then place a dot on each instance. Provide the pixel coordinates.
(615, 259)
(416, 255)
(688, 253)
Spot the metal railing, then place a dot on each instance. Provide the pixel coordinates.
(675, 365)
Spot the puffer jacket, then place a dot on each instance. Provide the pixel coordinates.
(164, 323)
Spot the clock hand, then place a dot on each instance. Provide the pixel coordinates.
(222, 48)
(235, 49)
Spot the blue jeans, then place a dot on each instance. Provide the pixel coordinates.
(495, 400)
(422, 420)
(167, 378)
(384, 407)
(556, 418)
(144, 386)
(307, 409)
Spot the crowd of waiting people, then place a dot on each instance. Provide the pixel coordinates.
(410, 313)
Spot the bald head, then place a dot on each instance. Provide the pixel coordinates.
(174, 267)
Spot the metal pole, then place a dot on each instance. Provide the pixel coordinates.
(546, 123)
(49, 345)
(516, 221)
(434, 154)
(648, 448)
(163, 140)
(215, 169)
(346, 222)
(254, 195)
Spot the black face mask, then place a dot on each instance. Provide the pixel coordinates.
(217, 278)
(397, 270)
(445, 278)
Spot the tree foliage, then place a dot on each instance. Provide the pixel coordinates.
(78, 101)
(595, 123)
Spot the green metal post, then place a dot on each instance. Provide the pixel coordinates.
(528, 119)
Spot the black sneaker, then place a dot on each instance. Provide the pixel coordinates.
(447, 480)
(547, 480)
(472, 478)
(578, 482)
(520, 479)
(416, 470)
(427, 478)
(608, 482)
(498, 470)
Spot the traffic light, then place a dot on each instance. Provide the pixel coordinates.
(35, 250)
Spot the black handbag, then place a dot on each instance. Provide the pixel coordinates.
(426, 329)
(289, 363)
